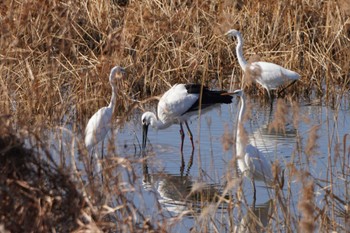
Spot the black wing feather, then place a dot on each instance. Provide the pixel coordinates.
(209, 97)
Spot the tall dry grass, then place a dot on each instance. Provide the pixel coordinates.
(56, 57)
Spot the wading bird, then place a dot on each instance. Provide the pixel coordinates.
(178, 104)
(100, 123)
(268, 75)
(251, 162)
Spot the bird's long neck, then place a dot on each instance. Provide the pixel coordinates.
(113, 98)
(158, 124)
(240, 137)
(239, 51)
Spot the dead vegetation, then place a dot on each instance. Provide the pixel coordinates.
(56, 57)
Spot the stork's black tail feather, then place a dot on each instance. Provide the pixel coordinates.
(209, 97)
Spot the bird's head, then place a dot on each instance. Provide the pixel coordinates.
(233, 33)
(117, 72)
(146, 118)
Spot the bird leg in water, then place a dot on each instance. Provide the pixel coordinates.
(271, 109)
(92, 160)
(271, 98)
(182, 137)
(254, 190)
(182, 167)
(281, 181)
(190, 162)
(190, 135)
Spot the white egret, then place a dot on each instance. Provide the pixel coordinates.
(251, 162)
(268, 75)
(100, 123)
(178, 104)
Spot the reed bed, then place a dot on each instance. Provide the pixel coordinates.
(58, 58)
(55, 60)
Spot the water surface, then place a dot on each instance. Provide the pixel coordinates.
(167, 182)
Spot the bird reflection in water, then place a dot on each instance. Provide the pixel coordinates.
(256, 219)
(268, 139)
(178, 193)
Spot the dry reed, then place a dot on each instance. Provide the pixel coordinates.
(56, 57)
(307, 207)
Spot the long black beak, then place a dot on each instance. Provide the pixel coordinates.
(144, 136)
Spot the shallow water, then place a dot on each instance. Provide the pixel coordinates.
(168, 184)
(166, 190)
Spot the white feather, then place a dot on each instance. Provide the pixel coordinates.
(268, 75)
(251, 162)
(175, 103)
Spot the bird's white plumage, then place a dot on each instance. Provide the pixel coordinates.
(251, 161)
(172, 108)
(269, 75)
(259, 167)
(175, 103)
(98, 127)
(100, 123)
(178, 104)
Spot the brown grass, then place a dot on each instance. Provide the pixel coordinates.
(311, 145)
(280, 117)
(307, 207)
(56, 57)
(35, 194)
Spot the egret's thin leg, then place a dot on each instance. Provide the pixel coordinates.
(102, 149)
(270, 101)
(92, 167)
(182, 137)
(92, 159)
(269, 94)
(271, 108)
(102, 160)
(284, 88)
(190, 135)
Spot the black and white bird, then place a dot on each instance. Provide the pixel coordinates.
(178, 104)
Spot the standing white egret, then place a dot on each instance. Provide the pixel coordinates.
(268, 75)
(178, 104)
(100, 123)
(251, 162)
